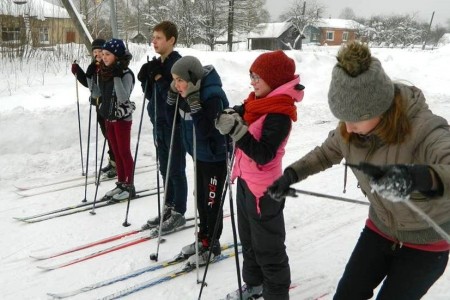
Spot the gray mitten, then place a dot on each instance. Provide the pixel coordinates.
(193, 96)
(225, 122)
(239, 130)
(229, 122)
(172, 94)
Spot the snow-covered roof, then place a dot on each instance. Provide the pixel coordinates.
(338, 24)
(444, 40)
(269, 30)
(35, 8)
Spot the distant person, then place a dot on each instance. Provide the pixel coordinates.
(201, 98)
(90, 79)
(116, 84)
(398, 150)
(260, 129)
(155, 77)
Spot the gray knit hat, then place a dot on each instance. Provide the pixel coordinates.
(189, 68)
(359, 89)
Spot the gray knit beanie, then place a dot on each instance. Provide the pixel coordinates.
(189, 68)
(359, 89)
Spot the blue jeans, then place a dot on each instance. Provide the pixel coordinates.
(176, 194)
(407, 273)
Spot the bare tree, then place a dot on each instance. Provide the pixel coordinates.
(302, 14)
(247, 14)
(213, 20)
(187, 23)
(347, 13)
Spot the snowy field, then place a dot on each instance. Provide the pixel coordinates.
(39, 138)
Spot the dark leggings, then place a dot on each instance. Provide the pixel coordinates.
(262, 237)
(407, 273)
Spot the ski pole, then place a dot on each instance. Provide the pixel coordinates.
(329, 196)
(154, 256)
(233, 222)
(194, 137)
(155, 141)
(92, 212)
(125, 223)
(427, 218)
(96, 146)
(96, 132)
(79, 122)
(87, 154)
(216, 230)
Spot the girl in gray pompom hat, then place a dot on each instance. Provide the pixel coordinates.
(400, 153)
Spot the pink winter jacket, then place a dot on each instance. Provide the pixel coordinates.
(259, 177)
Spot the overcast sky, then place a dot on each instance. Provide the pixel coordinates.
(367, 8)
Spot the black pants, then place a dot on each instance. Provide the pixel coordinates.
(407, 273)
(262, 237)
(210, 181)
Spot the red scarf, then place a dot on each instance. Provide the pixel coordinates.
(257, 107)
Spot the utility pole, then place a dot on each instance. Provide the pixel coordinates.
(230, 24)
(115, 32)
(79, 24)
(428, 32)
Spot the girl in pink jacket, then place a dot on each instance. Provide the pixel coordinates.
(260, 129)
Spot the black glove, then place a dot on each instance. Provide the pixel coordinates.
(157, 70)
(91, 70)
(149, 70)
(280, 189)
(172, 94)
(142, 75)
(240, 109)
(117, 70)
(396, 182)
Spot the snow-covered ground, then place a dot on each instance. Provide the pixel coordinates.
(39, 138)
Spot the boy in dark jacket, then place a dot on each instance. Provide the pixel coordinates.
(155, 77)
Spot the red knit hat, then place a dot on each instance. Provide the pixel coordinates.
(275, 68)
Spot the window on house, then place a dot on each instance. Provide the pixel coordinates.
(43, 36)
(10, 34)
(330, 35)
(345, 36)
(70, 37)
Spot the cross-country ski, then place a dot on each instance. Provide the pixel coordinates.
(70, 184)
(143, 237)
(177, 259)
(164, 278)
